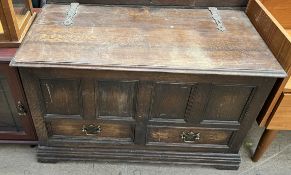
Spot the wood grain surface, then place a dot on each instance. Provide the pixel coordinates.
(279, 42)
(281, 10)
(147, 39)
(172, 135)
(288, 86)
(281, 118)
(175, 3)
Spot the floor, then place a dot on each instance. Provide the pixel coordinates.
(20, 160)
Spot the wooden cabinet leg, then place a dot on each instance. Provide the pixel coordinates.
(266, 139)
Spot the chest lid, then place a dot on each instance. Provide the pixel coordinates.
(147, 39)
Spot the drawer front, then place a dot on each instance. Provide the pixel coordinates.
(282, 114)
(91, 130)
(182, 136)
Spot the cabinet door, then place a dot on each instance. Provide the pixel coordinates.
(15, 120)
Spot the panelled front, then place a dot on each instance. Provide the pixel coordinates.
(157, 111)
(84, 109)
(200, 103)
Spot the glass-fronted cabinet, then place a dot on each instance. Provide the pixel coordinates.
(16, 124)
(16, 17)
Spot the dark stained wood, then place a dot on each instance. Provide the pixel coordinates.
(197, 102)
(172, 136)
(35, 106)
(109, 131)
(9, 120)
(88, 99)
(61, 96)
(266, 139)
(170, 100)
(64, 130)
(11, 91)
(186, 3)
(144, 96)
(227, 102)
(116, 98)
(155, 73)
(218, 160)
(170, 40)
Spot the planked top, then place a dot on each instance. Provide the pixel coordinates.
(147, 39)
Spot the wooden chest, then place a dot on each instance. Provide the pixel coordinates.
(144, 84)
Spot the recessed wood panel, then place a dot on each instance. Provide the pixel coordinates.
(170, 100)
(227, 102)
(9, 120)
(174, 135)
(61, 96)
(116, 98)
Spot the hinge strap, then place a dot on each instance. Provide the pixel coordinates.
(217, 18)
(72, 11)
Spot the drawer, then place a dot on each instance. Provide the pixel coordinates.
(272, 20)
(281, 119)
(185, 136)
(90, 130)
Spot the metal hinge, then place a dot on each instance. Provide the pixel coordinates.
(217, 18)
(72, 11)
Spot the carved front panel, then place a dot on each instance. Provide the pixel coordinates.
(193, 103)
(201, 103)
(169, 100)
(61, 96)
(116, 98)
(228, 102)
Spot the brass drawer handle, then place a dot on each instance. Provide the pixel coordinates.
(21, 111)
(190, 137)
(91, 129)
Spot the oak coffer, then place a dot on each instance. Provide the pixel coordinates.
(144, 84)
